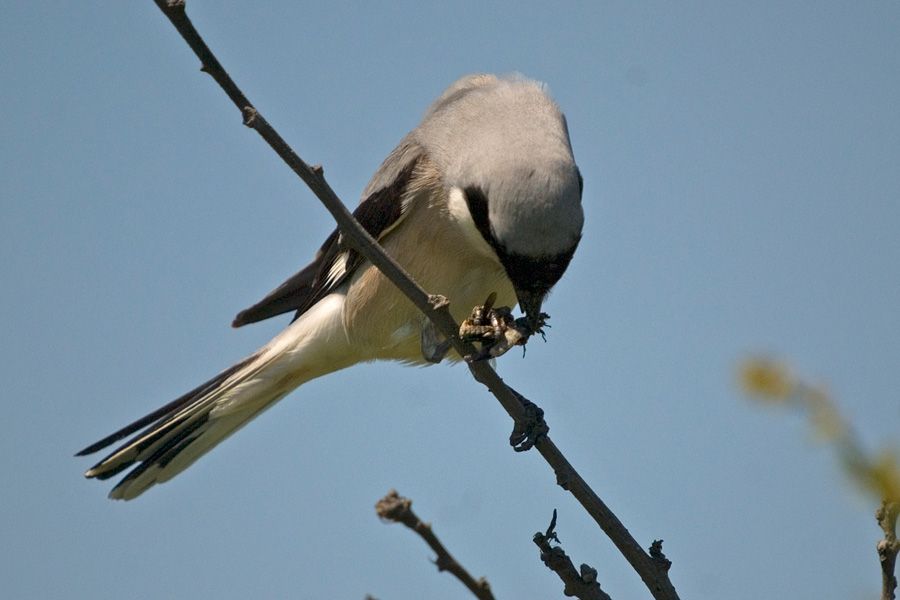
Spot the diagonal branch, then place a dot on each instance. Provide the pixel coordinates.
(434, 307)
(396, 508)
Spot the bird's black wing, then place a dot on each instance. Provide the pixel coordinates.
(378, 213)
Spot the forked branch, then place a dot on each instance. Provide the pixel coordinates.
(581, 583)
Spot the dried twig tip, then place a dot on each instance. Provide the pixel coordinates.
(393, 507)
(551, 533)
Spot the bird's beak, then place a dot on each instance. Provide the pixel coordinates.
(530, 302)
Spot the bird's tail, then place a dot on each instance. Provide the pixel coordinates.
(170, 439)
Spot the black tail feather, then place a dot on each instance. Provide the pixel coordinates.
(163, 455)
(163, 411)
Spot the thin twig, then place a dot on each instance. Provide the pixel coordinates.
(581, 583)
(396, 508)
(888, 547)
(434, 307)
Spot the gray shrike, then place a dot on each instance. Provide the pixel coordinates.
(483, 196)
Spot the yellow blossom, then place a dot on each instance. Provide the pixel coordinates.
(884, 475)
(767, 379)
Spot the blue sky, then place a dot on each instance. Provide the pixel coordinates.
(742, 194)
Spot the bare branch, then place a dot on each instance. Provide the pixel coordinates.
(888, 547)
(396, 508)
(580, 583)
(435, 308)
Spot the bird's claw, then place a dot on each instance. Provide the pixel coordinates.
(523, 324)
(434, 345)
(527, 432)
(496, 330)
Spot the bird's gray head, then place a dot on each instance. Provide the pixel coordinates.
(505, 143)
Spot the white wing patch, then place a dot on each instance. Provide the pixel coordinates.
(338, 269)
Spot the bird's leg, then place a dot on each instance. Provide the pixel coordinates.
(497, 332)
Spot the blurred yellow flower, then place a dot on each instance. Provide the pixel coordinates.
(885, 475)
(770, 380)
(767, 379)
(823, 414)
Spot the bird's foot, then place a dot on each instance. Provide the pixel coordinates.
(434, 345)
(526, 433)
(496, 329)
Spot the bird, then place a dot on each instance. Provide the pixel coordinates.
(482, 198)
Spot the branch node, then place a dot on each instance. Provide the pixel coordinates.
(250, 115)
(563, 478)
(318, 170)
(889, 547)
(441, 563)
(656, 553)
(437, 301)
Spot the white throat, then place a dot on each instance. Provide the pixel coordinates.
(459, 212)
